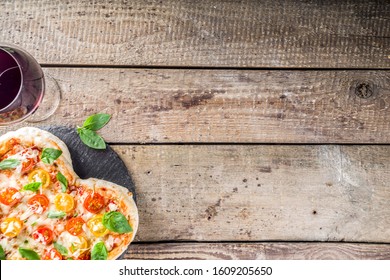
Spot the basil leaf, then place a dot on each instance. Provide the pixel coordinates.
(28, 254)
(96, 122)
(2, 253)
(49, 155)
(99, 251)
(56, 214)
(9, 163)
(62, 249)
(91, 139)
(63, 181)
(32, 186)
(116, 222)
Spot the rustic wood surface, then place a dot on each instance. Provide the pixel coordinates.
(249, 33)
(215, 106)
(259, 251)
(261, 193)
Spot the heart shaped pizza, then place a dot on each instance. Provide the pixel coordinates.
(48, 212)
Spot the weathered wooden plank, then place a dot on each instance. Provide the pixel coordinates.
(247, 33)
(261, 193)
(212, 106)
(258, 251)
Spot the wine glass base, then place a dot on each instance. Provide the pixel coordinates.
(49, 103)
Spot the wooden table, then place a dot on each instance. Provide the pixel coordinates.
(252, 129)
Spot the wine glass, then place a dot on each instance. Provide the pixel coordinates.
(24, 93)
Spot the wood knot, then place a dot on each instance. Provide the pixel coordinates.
(364, 89)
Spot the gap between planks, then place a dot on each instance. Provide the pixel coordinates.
(179, 67)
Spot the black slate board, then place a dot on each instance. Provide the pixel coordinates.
(90, 163)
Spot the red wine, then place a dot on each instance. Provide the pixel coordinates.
(10, 79)
(21, 84)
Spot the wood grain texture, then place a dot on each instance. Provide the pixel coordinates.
(249, 33)
(258, 251)
(261, 193)
(213, 106)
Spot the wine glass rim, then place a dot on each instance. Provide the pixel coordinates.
(2, 45)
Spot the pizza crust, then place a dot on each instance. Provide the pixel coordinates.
(43, 139)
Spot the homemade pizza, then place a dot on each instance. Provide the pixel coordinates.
(47, 212)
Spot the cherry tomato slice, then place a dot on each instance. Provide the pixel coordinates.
(10, 196)
(7, 146)
(52, 254)
(29, 160)
(75, 226)
(85, 256)
(94, 203)
(38, 203)
(64, 202)
(29, 164)
(43, 234)
(11, 227)
(96, 226)
(40, 175)
(81, 244)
